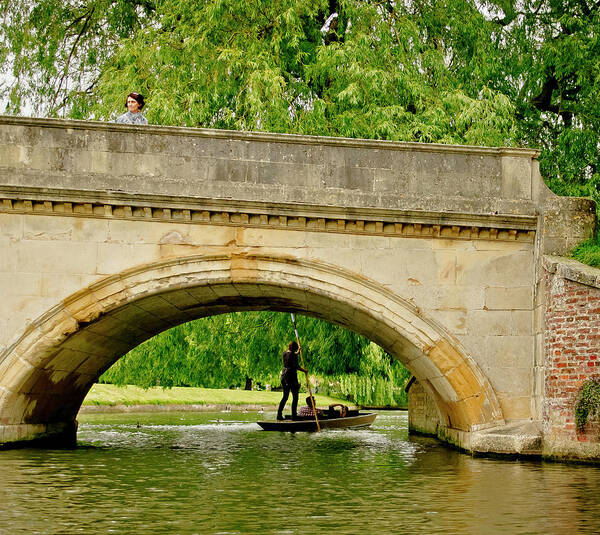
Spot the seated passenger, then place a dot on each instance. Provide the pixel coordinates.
(307, 410)
(333, 412)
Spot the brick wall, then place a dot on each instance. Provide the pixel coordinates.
(572, 350)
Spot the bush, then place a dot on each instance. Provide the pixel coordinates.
(588, 402)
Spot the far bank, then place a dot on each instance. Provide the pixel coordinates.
(112, 398)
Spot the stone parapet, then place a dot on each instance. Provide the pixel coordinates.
(250, 166)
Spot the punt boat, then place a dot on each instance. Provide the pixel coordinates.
(352, 420)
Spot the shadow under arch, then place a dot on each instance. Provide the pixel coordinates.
(46, 373)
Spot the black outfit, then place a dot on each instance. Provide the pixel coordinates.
(289, 382)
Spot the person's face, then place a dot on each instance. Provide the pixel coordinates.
(133, 105)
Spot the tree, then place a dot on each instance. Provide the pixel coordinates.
(227, 350)
(345, 68)
(547, 63)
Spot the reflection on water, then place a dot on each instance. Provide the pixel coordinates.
(219, 473)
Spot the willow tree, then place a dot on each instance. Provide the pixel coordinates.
(235, 349)
(345, 68)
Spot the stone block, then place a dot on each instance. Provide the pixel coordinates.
(444, 388)
(509, 298)
(349, 177)
(515, 408)
(213, 235)
(23, 310)
(13, 410)
(424, 368)
(56, 257)
(453, 321)
(160, 308)
(501, 245)
(516, 178)
(509, 351)
(345, 258)
(452, 244)
(323, 240)
(15, 156)
(59, 285)
(11, 226)
(94, 366)
(9, 261)
(89, 342)
(114, 258)
(472, 412)
(446, 297)
(370, 242)
(66, 360)
(180, 299)
(48, 228)
(463, 381)
(489, 322)
(15, 371)
(445, 356)
(226, 290)
(21, 284)
(204, 294)
(386, 267)
(512, 382)
(264, 237)
(147, 321)
(388, 181)
(430, 267)
(495, 268)
(522, 322)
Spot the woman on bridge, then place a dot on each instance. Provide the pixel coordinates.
(134, 104)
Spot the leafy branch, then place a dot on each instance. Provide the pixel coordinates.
(588, 403)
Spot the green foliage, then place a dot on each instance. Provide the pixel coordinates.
(588, 252)
(56, 49)
(370, 391)
(588, 402)
(343, 68)
(223, 351)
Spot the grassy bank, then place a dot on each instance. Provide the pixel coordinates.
(106, 394)
(588, 252)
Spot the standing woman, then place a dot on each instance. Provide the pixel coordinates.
(134, 104)
(289, 379)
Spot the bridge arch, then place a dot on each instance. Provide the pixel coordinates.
(46, 373)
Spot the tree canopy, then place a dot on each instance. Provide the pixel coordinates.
(228, 350)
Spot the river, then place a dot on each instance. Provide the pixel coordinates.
(218, 473)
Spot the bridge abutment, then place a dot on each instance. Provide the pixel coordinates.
(46, 435)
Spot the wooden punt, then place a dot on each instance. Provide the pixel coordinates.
(352, 420)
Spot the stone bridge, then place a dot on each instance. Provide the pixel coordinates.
(110, 234)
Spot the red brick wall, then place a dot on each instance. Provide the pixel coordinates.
(572, 354)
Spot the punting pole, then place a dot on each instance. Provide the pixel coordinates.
(312, 399)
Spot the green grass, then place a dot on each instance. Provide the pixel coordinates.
(588, 252)
(105, 394)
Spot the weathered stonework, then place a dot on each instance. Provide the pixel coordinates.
(423, 417)
(572, 346)
(110, 234)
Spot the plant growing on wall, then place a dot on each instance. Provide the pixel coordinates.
(588, 402)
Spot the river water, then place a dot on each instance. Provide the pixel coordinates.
(218, 473)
